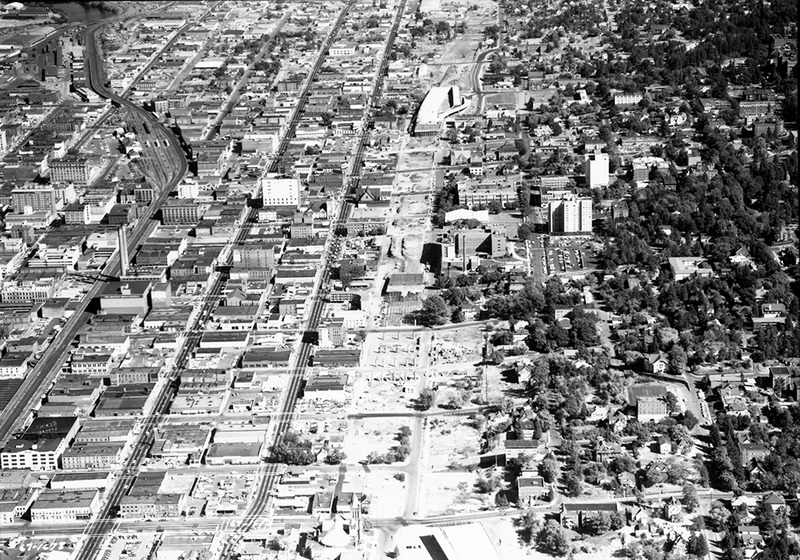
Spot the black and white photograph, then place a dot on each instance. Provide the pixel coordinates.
(399, 279)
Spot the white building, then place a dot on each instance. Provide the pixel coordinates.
(440, 103)
(61, 506)
(13, 365)
(280, 192)
(188, 189)
(342, 49)
(627, 99)
(571, 215)
(596, 170)
(41, 455)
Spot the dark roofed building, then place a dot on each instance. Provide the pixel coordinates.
(337, 357)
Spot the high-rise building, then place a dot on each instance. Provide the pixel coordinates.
(571, 215)
(596, 170)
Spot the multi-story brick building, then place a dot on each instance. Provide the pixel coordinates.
(72, 168)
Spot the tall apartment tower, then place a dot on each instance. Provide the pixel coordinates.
(596, 170)
(571, 215)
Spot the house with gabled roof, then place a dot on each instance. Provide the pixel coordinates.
(656, 362)
(775, 501)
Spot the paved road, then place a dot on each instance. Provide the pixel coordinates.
(104, 522)
(302, 354)
(323, 284)
(39, 379)
(233, 98)
(206, 524)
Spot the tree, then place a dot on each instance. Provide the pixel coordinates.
(456, 399)
(527, 523)
(349, 270)
(495, 206)
(503, 338)
(690, 499)
(679, 436)
(278, 543)
(435, 311)
(672, 402)
(335, 457)
(718, 516)
(597, 524)
(688, 419)
(548, 469)
(552, 539)
(697, 545)
(501, 500)
(572, 485)
(487, 484)
(622, 463)
(427, 397)
(676, 360)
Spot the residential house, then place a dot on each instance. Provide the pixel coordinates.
(530, 488)
(572, 515)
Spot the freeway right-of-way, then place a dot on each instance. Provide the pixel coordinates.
(17, 411)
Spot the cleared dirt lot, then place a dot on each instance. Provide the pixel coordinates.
(453, 439)
(452, 492)
(459, 345)
(372, 434)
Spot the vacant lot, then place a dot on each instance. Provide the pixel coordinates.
(451, 492)
(453, 440)
(372, 435)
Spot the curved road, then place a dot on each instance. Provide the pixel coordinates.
(39, 379)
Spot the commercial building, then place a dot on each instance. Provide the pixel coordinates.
(280, 191)
(73, 168)
(146, 500)
(480, 194)
(39, 455)
(35, 287)
(14, 365)
(26, 200)
(151, 506)
(249, 453)
(459, 542)
(81, 480)
(181, 212)
(63, 506)
(92, 456)
(41, 445)
(126, 297)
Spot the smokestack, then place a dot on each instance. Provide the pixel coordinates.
(122, 243)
